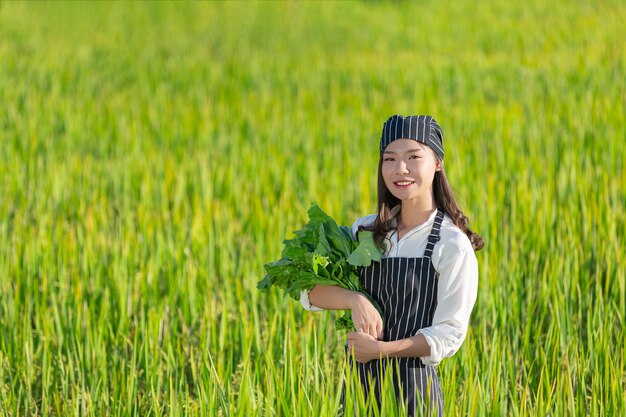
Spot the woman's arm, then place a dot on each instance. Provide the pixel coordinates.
(414, 346)
(364, 315)
(367, 348)
(331, 297)
(456, 295)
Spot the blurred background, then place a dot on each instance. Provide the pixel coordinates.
(153, 156)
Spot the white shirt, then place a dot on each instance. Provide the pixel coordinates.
(454, 259)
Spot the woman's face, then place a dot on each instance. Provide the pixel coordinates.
(408, 169)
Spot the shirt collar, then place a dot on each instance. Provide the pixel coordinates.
(429, 221)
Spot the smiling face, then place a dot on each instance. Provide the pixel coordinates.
(408, 168)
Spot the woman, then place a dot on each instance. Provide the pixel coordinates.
(427, 281)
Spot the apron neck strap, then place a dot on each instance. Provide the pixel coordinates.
(433, 237)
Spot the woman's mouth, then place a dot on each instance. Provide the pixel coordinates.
(403, 184)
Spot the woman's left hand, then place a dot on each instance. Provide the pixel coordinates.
(365, 346)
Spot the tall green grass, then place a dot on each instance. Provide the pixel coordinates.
(154, 156)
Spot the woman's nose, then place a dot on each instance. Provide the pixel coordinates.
(401, 168)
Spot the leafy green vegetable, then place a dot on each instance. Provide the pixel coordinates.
(322, 253)
(366, 251)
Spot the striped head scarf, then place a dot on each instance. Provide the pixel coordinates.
(421, 128)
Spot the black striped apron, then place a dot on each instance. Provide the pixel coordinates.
(406, 291)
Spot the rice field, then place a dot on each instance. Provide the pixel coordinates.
(153, 156)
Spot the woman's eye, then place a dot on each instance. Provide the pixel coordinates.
(414, 157)
(388, 159)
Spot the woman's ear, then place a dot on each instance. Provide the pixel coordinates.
(438, 164)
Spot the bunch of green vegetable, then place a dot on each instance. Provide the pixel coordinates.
(323, 253)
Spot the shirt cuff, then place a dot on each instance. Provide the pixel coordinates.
(304, 300)
(444, 341)
(440, 347)
(435, 354)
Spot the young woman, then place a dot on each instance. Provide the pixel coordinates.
(427, 281)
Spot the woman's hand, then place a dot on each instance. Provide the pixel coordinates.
(364, 346)
(365, 317)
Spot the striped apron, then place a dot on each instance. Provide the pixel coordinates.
(406, 291)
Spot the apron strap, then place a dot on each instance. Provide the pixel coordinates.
(433, 237)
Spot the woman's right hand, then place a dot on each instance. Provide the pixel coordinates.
(365, 317)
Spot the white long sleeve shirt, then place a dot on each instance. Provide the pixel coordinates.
(454, 259)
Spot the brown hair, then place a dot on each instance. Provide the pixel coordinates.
(389, 206)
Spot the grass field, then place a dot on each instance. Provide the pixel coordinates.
(154, 156)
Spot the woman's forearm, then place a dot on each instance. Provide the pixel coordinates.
(331, 297)
(415, 346)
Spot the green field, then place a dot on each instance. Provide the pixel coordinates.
(153, 156)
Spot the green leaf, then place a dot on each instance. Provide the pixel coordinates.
(323, 246)
(366, 252)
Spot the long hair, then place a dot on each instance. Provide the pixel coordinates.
(389, 206)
